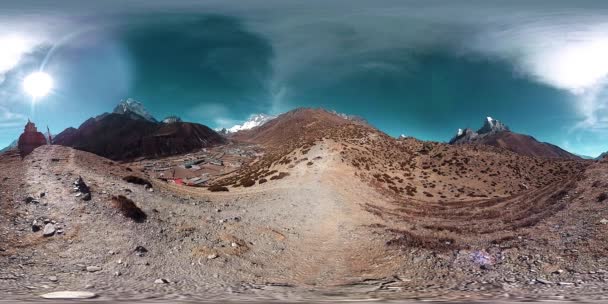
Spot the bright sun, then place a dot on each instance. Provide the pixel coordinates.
(38, 84)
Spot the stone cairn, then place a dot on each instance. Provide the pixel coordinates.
(30, 139)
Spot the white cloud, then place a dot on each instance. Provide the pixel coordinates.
(11, 120)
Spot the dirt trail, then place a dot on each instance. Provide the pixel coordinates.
(331, 238)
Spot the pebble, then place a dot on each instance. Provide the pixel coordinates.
(604, 221)
(52, 278)
(212, 256)
(161, 281)
(93, 268)
(543, 281)
(69, 295)
(49, 230)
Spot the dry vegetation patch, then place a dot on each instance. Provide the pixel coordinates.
(128, 208)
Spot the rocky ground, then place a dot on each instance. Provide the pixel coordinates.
(310, 236)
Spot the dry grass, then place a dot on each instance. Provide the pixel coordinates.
(217, 188)
(247, 182)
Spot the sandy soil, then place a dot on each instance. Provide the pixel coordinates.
(321, 233)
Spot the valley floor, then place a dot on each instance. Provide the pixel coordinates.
(310, 236)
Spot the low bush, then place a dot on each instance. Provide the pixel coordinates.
(247, 182)
(218, 189)
(137, 180)
(128, 208)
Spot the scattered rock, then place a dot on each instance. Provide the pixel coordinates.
(604, 221)
(36, 226)
(543, 281)
(49, 230)
(52, 278)
(93, 268)
(86, 197)
(65, 295)
(161, 281)
(140, 250)
(83, 189)
(212, 256)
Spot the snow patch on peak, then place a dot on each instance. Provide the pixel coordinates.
(460, 132)
(131, 105)
(255, 120)
(492, 126)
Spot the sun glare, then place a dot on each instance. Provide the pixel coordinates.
(38, 84)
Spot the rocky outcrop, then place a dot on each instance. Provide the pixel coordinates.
(134, 109)
(490, 126)
(30, 139)
(497, 134)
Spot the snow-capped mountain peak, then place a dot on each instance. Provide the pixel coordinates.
(492, 125)
(171, 119)
(133, 106)
(254, 120)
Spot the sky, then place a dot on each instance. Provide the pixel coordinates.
(419, 68)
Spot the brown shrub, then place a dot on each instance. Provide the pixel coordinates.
(247, 182)
(602, 197)
(137, 180)
(128, 208)
(262, 180)
(217, 188)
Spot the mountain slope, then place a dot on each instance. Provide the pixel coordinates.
(292, 126)
(406, 168)
(11, 146)
(497, 134)
(129, 136)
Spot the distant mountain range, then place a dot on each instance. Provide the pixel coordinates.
(131, 132)
(495, 133)
(13, 145)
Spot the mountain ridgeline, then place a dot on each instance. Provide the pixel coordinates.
(130, 132)
(497, 134)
